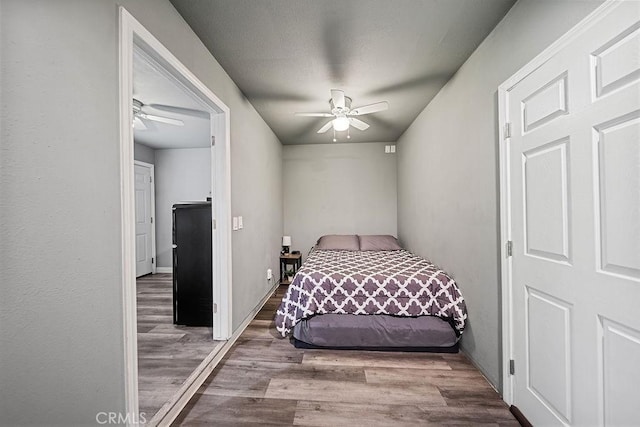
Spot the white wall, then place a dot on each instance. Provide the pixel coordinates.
(61, 327)
(342, 188)
(144, 153)
(181, 175)
(448, 168)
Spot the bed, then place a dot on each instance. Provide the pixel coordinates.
(367, 292)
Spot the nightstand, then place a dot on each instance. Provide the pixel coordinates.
(289, 259)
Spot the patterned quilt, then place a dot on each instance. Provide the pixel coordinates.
(398, 283)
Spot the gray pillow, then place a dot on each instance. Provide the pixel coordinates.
(379, 243)
(339, 242)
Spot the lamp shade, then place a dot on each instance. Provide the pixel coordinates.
(286, 240)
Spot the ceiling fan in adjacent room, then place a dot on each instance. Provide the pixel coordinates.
(343, 115)
(140, 116)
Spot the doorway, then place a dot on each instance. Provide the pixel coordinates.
(134, 37)
(570, 186)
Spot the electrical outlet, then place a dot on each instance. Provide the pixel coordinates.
(269, 274)
(240, 225)
(234, 222)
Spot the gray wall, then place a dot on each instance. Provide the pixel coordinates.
(181, 175)
(448, 168)
(61, 327)
(343, 188)
(144, 154)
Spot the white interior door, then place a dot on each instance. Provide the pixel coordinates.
(574, 176)
(144, 218)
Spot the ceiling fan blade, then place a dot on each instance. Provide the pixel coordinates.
(358, 124)
(138, 124)
(180, 110)
(337, 96)
(368, 109)
(314, 114)
(160, 119)
(326, 127)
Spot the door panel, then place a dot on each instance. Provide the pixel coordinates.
(545, 104)
(618, 173)
(549, 351)
(621, 348)
(574, 200)
(546, 198)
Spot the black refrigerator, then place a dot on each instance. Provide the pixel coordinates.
(192, 272)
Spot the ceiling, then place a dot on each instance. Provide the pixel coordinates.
(286, 55)
(164, 97)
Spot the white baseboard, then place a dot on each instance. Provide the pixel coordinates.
(170, 410)
(164, 269)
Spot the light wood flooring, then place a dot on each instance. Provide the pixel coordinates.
(167, 353)
(264, 380)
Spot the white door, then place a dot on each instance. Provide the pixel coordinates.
(144, 218)
(574, 160)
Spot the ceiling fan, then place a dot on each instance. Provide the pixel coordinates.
(139, 116)
(343, 114)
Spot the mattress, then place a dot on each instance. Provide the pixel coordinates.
(376, 332)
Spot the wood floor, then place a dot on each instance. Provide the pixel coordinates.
(167, 353)
(264, 380)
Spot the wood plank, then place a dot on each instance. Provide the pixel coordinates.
(478, 398)
(376, 359)
(467, 380)
(234, 411)
(362, 414)
(352, 392)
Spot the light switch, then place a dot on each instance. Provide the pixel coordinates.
(393, 148)
(240, 226)
(235, 223)
(387, 149)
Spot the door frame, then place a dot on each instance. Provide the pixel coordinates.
(152, 169)
(505, 183)
(132, 35)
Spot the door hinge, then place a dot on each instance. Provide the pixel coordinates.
(151, 220)
(213, 141)
(150, 179)
(509, 248)
(152, 260)
(507, 130)
(214, 224)
(215, 307)
(512, 367)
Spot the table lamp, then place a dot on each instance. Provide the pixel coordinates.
(286, 242)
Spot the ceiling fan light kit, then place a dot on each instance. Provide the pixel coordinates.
(343, 114)
(341, 123)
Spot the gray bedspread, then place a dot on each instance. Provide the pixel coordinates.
(398, 283)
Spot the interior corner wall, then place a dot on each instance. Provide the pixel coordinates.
(61, 310)
(144, 153)
(448, 178)
(182, 174)
(343, 188)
